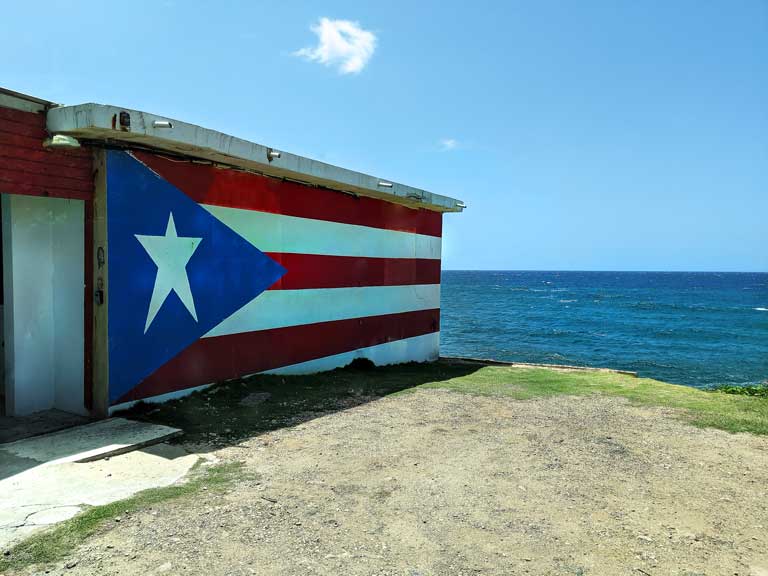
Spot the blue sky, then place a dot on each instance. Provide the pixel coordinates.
(614, 135)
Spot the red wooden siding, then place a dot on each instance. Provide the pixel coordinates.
(232, 188)
(26, 167)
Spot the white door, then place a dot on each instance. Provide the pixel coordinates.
(43, 277)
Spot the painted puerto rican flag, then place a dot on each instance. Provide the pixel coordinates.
(216, 274)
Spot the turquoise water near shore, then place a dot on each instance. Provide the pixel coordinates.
(699, 329)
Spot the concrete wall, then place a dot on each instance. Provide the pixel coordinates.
(43, 273)
(215, 274)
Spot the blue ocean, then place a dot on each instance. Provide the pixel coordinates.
(700, 329)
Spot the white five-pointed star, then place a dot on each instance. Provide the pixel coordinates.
(170, 253)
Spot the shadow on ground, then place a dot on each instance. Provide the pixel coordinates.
(13, 428)
(18, 428)
(233, 411)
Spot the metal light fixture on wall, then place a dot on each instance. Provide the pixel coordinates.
(272, 154)
(61, 141)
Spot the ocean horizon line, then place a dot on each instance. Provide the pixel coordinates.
(607, 271)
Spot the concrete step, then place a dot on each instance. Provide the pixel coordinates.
(90, 442)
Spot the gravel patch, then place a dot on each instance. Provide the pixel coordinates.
(440, 483)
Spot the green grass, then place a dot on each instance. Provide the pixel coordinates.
(702, 408)
(56, 543)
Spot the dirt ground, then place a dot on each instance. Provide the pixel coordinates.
(440, 483)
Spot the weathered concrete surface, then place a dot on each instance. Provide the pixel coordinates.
(55, 491)
(89, 442)
(13, 428)
(47, 479)
(94, 121)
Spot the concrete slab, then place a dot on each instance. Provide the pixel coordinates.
(90, 442)
(11, 464)
(14, 428)
(49, 478)
(57, 490)
(52, 515)
(94, 121)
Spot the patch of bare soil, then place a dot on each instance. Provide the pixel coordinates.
(438, 483)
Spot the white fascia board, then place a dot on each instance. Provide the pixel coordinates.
(23, 102)
(102, 122)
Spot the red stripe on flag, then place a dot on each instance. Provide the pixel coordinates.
(208, 184)
(322, 271)
(224, 357)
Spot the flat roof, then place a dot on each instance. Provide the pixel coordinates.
(101, 122)
(25, 102)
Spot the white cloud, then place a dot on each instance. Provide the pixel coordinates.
(448, 144)
(341, 43)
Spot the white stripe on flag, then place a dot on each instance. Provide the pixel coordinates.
(281, 308)
(290, 234)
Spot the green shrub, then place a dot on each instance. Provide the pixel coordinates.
(759, 390)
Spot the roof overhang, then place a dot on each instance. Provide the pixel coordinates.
(24, 102)
(109, 124)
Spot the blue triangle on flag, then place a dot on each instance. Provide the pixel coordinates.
(225, 272)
